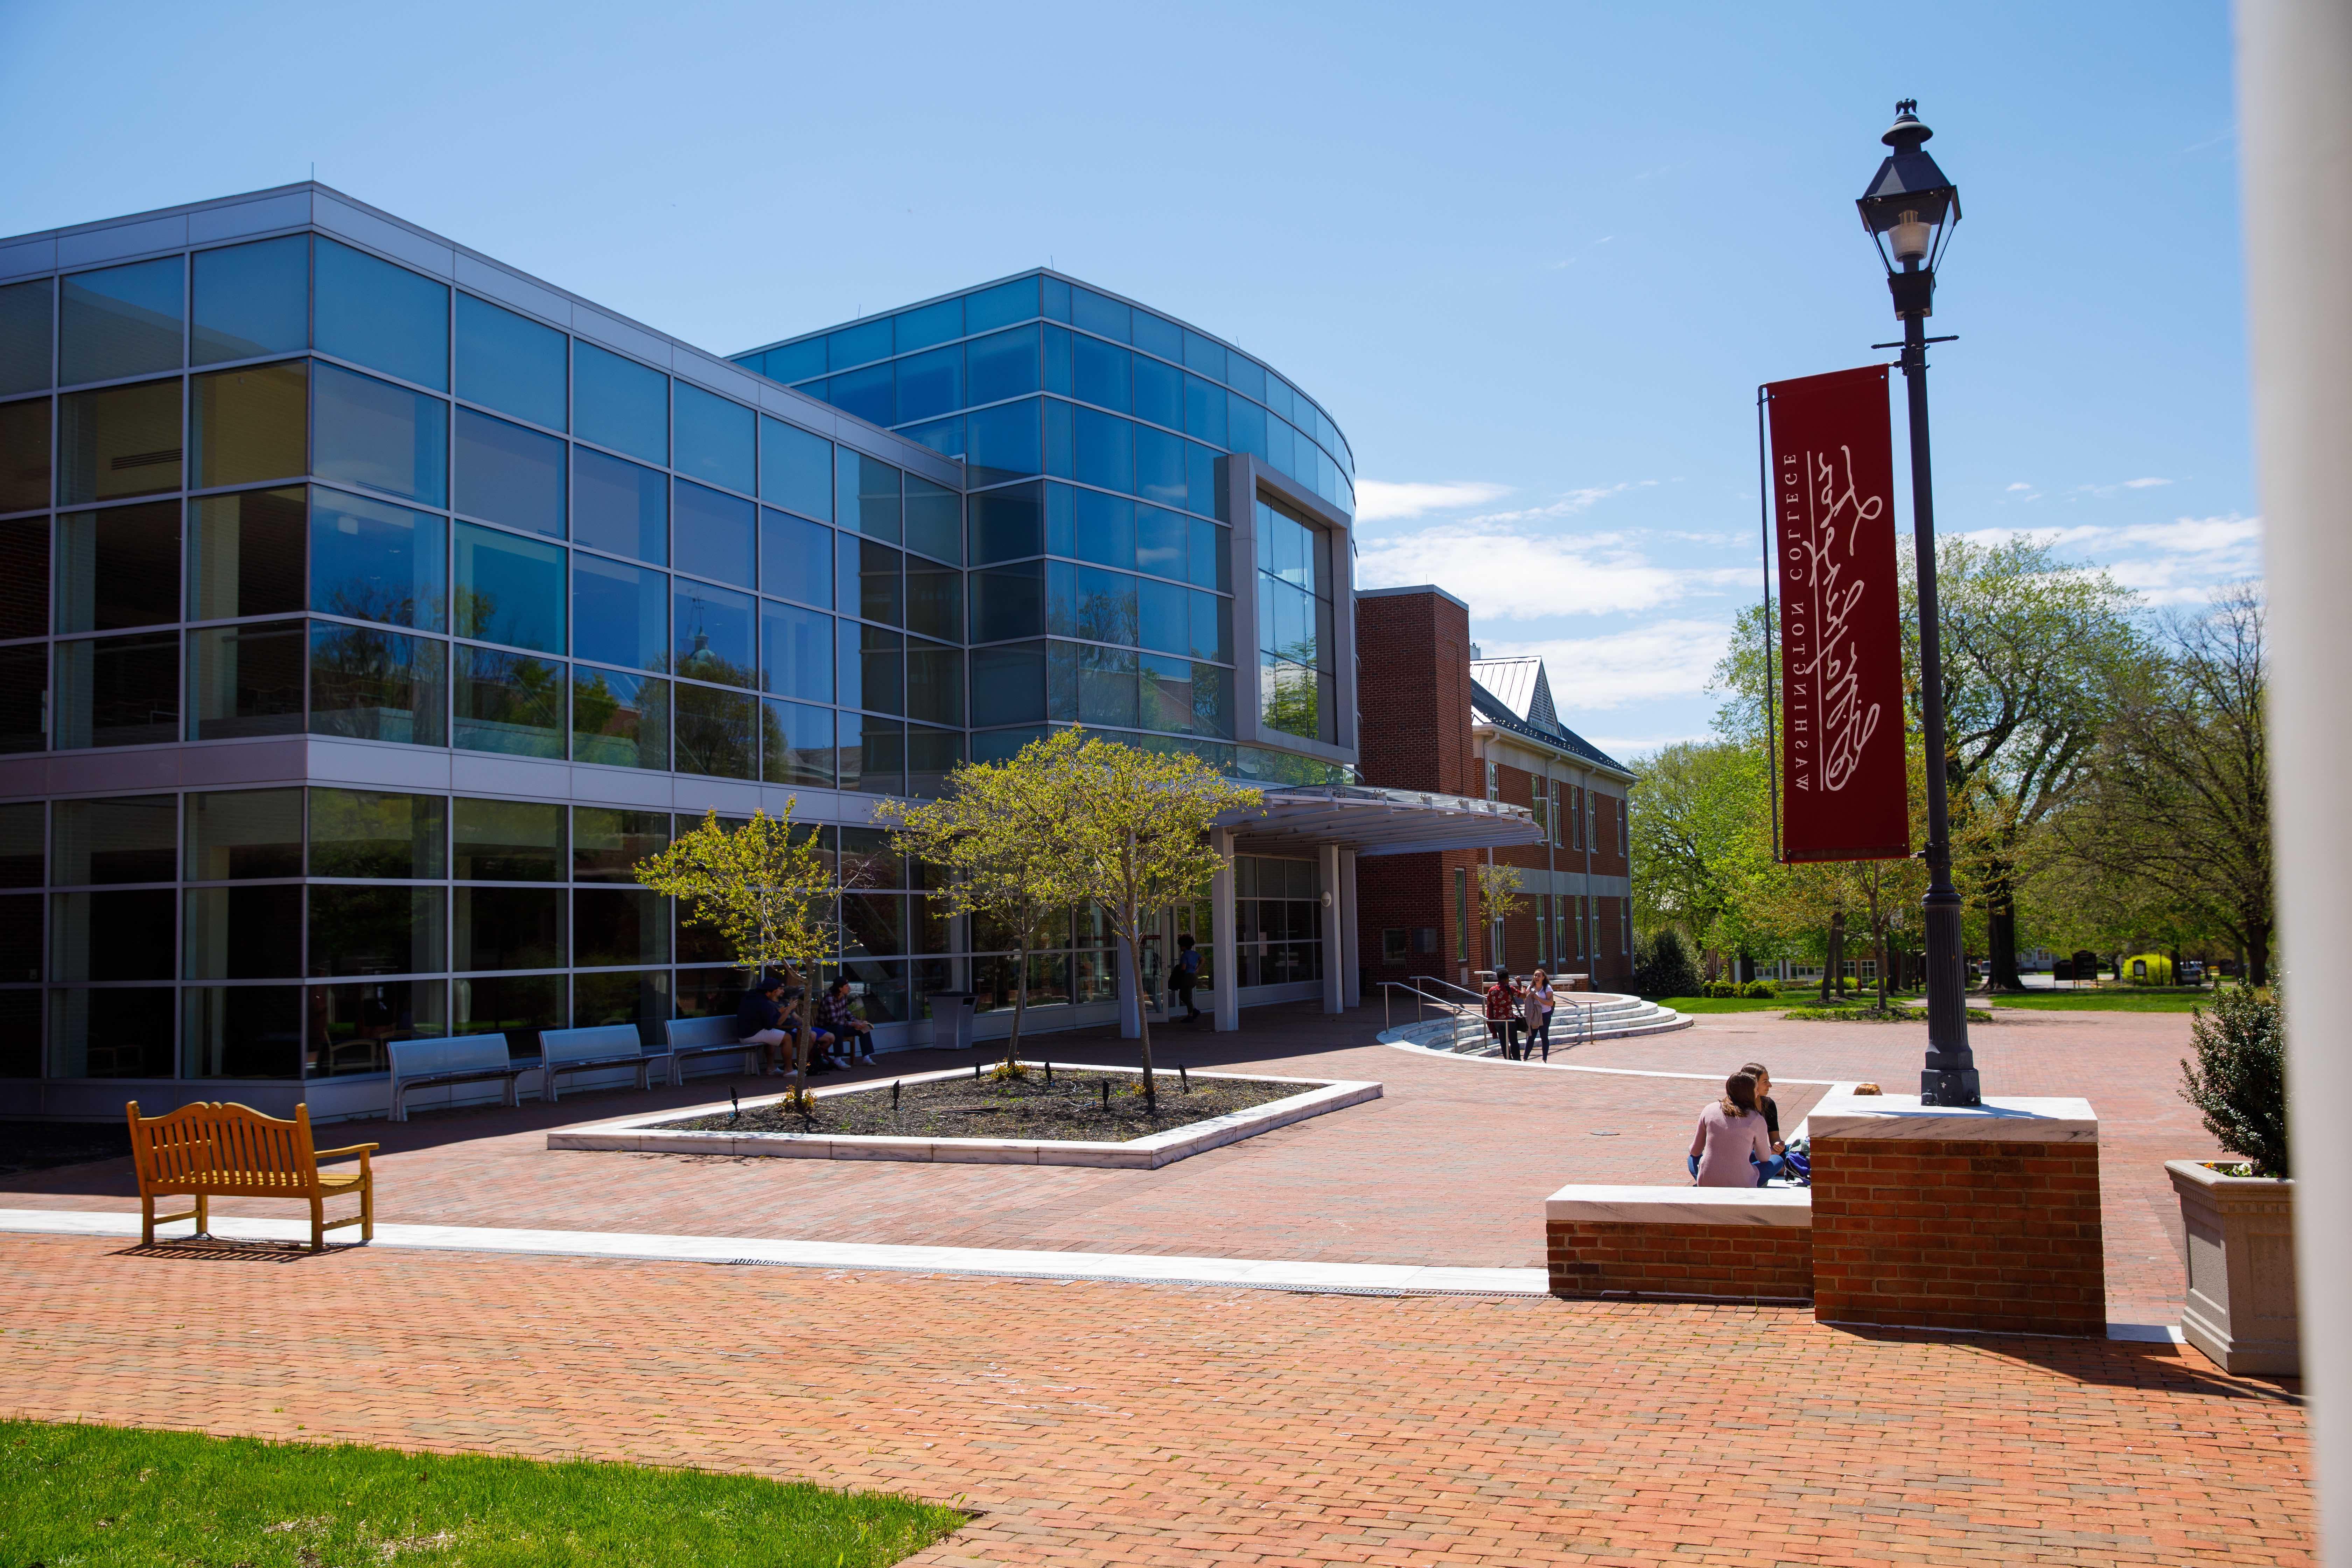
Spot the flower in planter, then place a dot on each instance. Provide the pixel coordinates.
(2239, 1078)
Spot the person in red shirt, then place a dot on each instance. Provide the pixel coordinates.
(1503, 1013)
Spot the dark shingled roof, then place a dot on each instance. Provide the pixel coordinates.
(1497, 713)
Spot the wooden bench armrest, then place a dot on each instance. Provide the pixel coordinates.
(360, 1149)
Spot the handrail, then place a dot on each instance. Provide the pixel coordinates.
(1387, 1022)
(1476, 996)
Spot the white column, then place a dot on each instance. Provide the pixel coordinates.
(1351, 969)
(2295, 95)
(1327, 858)
(1130, 1021)
(1224, 958)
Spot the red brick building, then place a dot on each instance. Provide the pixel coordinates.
(1434, 716)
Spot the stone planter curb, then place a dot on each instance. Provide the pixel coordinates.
(2241, 1306)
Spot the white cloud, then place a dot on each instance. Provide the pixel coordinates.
(1665, 659)
(2021, 485)
(2144, 484)
(2104, 490)
(1508, 574)
(1625, 748)
(1383, 500)
(2176, 562)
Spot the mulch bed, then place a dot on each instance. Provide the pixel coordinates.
(1070, 1108)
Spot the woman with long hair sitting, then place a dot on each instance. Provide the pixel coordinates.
(1731, 1141)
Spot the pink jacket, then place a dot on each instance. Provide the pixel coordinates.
(1723, 1144)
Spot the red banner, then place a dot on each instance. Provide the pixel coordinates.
(1844, 791)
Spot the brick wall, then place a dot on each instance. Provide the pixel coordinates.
(1748, 1262)
(1995, 1236)
(1414, 693)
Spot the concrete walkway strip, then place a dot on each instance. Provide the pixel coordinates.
(1125, 1267)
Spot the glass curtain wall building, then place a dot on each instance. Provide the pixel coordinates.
(367, 608)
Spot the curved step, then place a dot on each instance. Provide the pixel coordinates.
(1613, 1017)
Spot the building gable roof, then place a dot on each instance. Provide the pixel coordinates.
(1515, 694)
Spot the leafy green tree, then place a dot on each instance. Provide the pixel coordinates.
(1701, 833)
(1498, 898)
(1663, 966)
(1134, 826)
(997, 833)
(763, 888)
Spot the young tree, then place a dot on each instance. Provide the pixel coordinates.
(1701, 832)
(762, 888)
(1135, 827)
(1498, 896)
(997, 834)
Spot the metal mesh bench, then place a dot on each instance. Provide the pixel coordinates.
(705, 1038)
(466, 1059)
(583, 1050)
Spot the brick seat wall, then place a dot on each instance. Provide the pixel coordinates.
(1747, 1262)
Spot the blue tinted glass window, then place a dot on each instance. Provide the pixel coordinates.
(1160, 541)
(1159, 393)
(1153, 335)
(1061, 520)
(25, 320)
(712, 634)
(1213, 622)
(1097, 314)
(250, 300)
(620, 614)
(1281, 445)
(928, 324)
(1277, 395)
(1004, 524)
(870, 671)
(1107, 687)
(619, 507)
(1057, 438)
(1246, 430)
(715, 536)
(1001, 365)
(795, 469)
(510, 363)
(1002, 443)
(715, 439)
(1246, 376)
(796, 653)
(929, 385)
(1106, 451)
(1098, 373)
(1102, 526)
(1058, 300)
(865, 392)
(797, 746)
(1008, 602)
(869, 496)
(795, 558)
(1106, 608)
(1057, 360)
(509, 589)
(1205, 356)
(383, 316)
(945, 436)
(375, 562)
(1062, 598)
(1200, 479)
(1204, 411)
(867, 578)
(1164, 616)
(373, 433)
(1001, 306)
(1159, 466)
(1204, 553)
(1008, 684)
(621, 403)
(125, 320)
(856, 345)
(795, 361)
(508, 474)
(934, 519)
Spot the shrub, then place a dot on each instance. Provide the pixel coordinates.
(2239, 1078)
(1663, 966)
(1722, 989)
(1759, 990)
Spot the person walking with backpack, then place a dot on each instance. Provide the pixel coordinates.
(1186, 975)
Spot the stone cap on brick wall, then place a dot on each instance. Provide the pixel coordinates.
(2020, 1119)
(1681, 1206)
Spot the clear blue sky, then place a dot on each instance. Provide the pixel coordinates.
(1533, 259)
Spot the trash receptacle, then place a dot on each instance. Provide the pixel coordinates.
(951, 1017)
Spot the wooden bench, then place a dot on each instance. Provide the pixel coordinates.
(219, 1151)
(705, 1038)
(582, 1050)
(464, 1058)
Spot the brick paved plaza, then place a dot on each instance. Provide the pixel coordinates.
(1094, 1422)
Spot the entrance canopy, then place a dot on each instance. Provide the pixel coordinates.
(1376, 821)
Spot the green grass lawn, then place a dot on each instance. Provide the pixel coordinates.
(1721, 1005)
(95, 1496)
(2106, 1001)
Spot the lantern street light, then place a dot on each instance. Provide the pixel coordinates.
(1909, 210)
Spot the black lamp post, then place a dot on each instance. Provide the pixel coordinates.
(1909, 210)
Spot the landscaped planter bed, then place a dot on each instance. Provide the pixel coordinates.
(949, 1117)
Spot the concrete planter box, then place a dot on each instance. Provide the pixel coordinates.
(2241, 1309)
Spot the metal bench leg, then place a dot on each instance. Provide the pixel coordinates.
(547, 1089)
(399, 1102)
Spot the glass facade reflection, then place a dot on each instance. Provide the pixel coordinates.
(295, 473)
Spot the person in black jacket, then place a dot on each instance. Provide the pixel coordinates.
(759, 1019)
